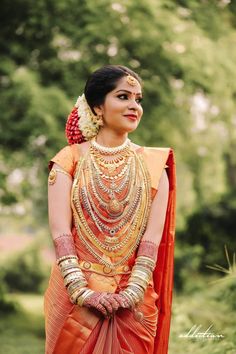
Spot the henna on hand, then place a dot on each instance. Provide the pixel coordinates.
(120, 300)
(94, 301)
(106, 303)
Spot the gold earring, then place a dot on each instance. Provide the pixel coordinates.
(100, 119)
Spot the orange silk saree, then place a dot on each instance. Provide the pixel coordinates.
(73, 330)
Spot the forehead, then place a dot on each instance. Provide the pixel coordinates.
(122, 84)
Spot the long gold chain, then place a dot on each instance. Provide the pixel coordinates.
(108, 250)
(134, 232)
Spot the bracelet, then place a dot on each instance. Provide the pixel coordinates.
(74, 296)
(140, 277)
(74, 279)
(67, 258)
(81, 298)
(68, 271)
(70, 263)
(53, 175)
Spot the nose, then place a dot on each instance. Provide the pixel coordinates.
(133, 104)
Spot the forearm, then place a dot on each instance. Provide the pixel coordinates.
(145, 262)
(141, 273)
(68, 263)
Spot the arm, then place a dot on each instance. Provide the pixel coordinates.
(157, 216)
(60, 221)
(147, 253)
(59, 210)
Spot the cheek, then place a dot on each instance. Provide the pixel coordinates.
(140, 112)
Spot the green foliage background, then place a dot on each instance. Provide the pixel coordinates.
(185, 53)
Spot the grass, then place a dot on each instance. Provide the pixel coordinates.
(23, 332)
(211, 306)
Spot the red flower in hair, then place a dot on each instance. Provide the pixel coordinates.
(73, 133)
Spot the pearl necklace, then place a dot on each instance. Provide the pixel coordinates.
(110, 150)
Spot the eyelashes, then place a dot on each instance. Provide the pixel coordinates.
(124, 96)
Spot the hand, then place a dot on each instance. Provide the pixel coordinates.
(106, 303)
(119, 300)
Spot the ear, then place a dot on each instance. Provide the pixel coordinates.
(98, 110)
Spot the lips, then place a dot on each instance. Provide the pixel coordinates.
(131, 116)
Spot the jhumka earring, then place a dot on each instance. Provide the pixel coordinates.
(100, 119)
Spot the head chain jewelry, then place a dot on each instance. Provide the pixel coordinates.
(131, 80)
(82, 124)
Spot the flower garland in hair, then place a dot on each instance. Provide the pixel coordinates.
(82, 124)
(89, 123)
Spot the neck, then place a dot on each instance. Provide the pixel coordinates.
(110, 139)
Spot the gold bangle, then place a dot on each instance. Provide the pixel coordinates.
(65, 258)
(72, 277)
(77, 288)
(79, 291)
(69, 264)
(81, 298)
(77, 294)
(68, 271)
(128, 297)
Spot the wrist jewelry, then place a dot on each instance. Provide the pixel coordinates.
(140, 277)
(74, 279)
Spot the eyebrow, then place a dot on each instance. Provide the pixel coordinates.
(139, 93)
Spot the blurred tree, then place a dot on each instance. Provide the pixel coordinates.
(183, 52)
(212, 227)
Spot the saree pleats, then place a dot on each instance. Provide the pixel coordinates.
(56, 307)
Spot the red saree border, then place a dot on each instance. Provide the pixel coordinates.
(163, 274)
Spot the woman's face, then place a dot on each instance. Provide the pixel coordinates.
(122, 108)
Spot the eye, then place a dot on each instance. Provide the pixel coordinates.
(139, 100)
(123, 96)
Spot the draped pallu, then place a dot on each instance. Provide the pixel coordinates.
(74, 330)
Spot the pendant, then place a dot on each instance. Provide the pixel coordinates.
(111, 168)
(114, 207)
(112, 240)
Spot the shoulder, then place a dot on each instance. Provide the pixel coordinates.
(151, 148)
(156, 159)
(158, 150)
(65, 158)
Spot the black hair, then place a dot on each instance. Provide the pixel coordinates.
(103, 81)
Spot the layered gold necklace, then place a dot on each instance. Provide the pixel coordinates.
(111, 198)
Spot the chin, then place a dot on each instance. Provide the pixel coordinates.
(132, 127)
(130, 130)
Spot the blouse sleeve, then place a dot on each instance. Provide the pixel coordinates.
(64, 158)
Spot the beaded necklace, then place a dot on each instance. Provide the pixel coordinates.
(116, 198)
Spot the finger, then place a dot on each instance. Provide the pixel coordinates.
(105, 303)
(101, 308)
(114, 303)
(123, 302)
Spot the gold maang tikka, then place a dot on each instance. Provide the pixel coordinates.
(131, 80)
